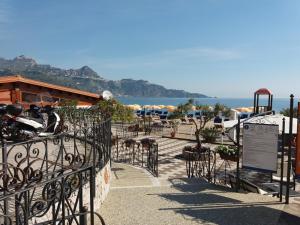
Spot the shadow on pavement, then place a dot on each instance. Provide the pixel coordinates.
(204, 204)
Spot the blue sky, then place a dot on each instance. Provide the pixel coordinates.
(224, 48)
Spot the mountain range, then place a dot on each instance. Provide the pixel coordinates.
(87, 79)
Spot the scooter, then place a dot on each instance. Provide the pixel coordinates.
(41, 122)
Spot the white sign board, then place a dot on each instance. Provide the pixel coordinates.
(260, 146)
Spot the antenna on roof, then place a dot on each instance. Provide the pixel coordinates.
(107, 95)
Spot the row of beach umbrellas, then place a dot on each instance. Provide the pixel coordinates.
(245, 109)
(170, 108)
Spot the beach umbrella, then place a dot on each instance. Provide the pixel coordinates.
(137, 107)
(249, 109)
(133, 107)
(147, 106)
(156, 107)
(130, 107)
(170, 108)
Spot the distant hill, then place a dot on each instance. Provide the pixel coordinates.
(87, 79)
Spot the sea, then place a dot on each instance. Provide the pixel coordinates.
(278, 103)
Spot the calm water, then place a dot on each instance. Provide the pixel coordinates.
(278, 103)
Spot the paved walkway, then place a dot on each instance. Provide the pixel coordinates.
(136, 198)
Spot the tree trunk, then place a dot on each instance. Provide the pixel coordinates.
(197, 134)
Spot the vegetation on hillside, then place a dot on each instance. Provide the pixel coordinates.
(86, 79)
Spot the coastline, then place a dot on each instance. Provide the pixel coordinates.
(278, 105)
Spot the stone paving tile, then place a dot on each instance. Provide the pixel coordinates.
(132, 190)
(188, 202)
(169, 166)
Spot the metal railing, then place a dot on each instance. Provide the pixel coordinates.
(42, 180)
(152, 159)
(143, 153)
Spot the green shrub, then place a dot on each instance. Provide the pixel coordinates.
(210, 134)
(230, 150)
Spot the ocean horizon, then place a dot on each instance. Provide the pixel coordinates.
(278, 103)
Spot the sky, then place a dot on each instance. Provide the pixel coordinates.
(223, 48)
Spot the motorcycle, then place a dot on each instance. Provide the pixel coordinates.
(40, 122)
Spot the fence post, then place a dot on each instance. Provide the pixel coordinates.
(238, 130)
(4, 167)
(287, 197)
(92, 195)
(209, 168)
(282, 158)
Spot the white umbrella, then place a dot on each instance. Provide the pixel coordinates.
(134, 107)
(155, 107)
(147, 106)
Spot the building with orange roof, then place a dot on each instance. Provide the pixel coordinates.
(17, 89)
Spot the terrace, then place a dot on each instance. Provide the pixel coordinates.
(136, 176)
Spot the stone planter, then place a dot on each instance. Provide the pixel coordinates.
(147, 142)
(190, 153)
(233, 158)
(129, 143)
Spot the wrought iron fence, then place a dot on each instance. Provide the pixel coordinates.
(201, 164)
(125, 130)
(152, 159)
(143, 153)
(42, 180)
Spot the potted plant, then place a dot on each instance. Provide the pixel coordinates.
(228, 153)
(147, 142)
(129, 143)
(210, 134)
(193, 153)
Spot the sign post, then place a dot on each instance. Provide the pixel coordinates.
(260, 147)
(238, 136)
(288, 179)
(282, 159)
